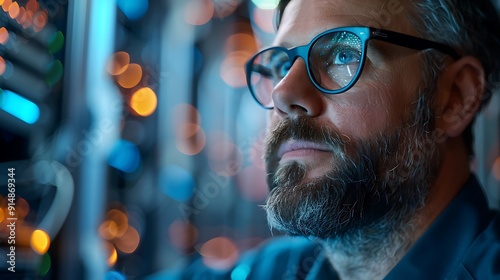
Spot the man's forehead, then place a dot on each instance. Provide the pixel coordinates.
(302, 19)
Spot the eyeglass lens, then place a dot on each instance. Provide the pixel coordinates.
(334, 60)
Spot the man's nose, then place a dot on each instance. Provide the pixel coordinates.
(295, 95)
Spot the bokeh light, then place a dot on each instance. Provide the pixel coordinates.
(3, 66)
(32, 6)
(54, 72)
(233, 70)
(19, 106)
(133, 10)
(118, 63)
(14, 10)
(56, 42)
(177, 183)
(144, 101)
(114, 275)
(125, 156)
(40, 241)
(182, 235)
(225, 8)
(198, 12)
(20, 16)
(190, 136)
(252, 184)
(131, 76)
(40, 20)
(225, 158)
(129, 241)
(115, 224)
(27, 19)
(112, 254)
(219, 253)
(496, 169)
(4, 35)
(240, 272)
(45, 265)
(266, 4)
(191, 139)
(238, 48)
(6, 4)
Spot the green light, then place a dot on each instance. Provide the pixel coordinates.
(54, 73)
(45, 265)
(266, 4)
(56, 42)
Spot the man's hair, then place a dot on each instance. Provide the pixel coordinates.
(472, 27)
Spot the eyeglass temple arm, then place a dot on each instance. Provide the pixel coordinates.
(411, 42)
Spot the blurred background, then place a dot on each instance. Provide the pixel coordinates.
(134, 143)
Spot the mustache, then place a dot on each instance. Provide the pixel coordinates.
(300, 129)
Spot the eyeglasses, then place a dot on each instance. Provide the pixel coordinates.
(334, 60)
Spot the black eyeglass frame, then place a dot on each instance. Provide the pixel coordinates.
(365, 33)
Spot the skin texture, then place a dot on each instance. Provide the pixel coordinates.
(380, 101)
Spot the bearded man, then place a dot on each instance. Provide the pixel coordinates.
(370, 140)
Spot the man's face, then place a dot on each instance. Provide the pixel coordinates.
(338, 163)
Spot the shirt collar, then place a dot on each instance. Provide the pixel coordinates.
(443, 246)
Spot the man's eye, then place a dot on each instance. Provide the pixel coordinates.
(346, 57)
(281, 69)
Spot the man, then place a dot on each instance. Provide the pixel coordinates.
(369, 142)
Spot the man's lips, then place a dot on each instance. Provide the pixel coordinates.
(300, 148)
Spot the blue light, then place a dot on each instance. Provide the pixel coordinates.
(133, 9)
(177, 183)
(240, 272)
(124, 156)
(114, 275)
(19, 106)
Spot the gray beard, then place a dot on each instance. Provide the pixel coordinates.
(366, 204)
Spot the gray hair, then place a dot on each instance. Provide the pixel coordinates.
(472, 28)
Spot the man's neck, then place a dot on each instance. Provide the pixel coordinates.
(365, 256)
(368, 255)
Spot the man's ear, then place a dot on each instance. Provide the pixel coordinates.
(459, 95)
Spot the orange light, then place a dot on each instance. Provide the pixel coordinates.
(118, 63)
(191, 139)
(23, 207)
(40, 241)
(27, 19)
(131, 76)
(13, 10)
(198, 12)
(6, 4)
(21, 16)
(224, 157)
(496, 169)
(32, 6)
(129, 242)
(2, 215)
(4, 35)
(1, 2)
(244, 42)
(113, 255)
(144, 101)
(219, 253)
(233, 70)
(3, 66)
(40, 20)
(182, 235)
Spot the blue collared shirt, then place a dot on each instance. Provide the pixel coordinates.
(463, 243)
